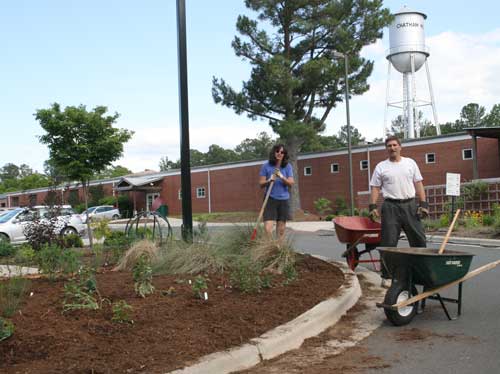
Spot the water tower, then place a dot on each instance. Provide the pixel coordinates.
(408, 54)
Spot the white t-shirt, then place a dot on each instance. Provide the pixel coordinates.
(396, 179)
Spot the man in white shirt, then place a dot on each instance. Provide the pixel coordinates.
(400, 181)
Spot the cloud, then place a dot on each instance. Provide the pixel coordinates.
(463, 69)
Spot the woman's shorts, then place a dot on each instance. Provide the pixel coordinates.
(277, 210)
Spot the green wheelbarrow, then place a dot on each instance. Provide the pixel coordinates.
(434, 271)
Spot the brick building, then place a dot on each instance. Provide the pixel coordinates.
(234, 187)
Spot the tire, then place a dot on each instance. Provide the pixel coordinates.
(4, 238)
(115, 216)
(395, 294)
(68, 230)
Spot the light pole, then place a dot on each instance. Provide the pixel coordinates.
(348, 117)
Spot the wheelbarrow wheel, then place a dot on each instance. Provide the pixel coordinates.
(397, 293)
(352, 257)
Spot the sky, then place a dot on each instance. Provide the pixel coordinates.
(123, 54)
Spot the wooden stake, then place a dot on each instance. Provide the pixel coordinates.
(450, 229)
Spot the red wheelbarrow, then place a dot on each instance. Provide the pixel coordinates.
(356, 230)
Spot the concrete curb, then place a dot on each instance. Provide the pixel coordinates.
(285, 337)
(459, 240)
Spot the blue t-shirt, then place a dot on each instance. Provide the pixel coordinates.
(280, 190)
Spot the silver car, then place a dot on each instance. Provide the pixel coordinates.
(13, 222)
(101, 212)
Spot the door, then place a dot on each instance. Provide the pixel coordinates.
(150, 197)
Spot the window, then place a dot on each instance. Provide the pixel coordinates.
(334, 168)
(308, 170)
(363, 165)
(467, 154)
(430, 158)
(180, 195)
(32, 199)
(200, 192)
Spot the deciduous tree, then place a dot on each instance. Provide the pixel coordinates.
(81, 143)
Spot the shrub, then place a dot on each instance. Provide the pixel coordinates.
(81, 292)
(12, 292)
(41, 232)
(100, 228)
(444, 220)
(245, 275)
(340, 206)
(49, 260)
(6, 249)
(329, 217)
(322, 205)
(143, 276)
(72, 241)
(138, 249)
(488, 220)
(25, 254)
(117, 239)
(6, 329)
(474, 190)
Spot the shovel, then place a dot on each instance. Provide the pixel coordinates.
(450, 229)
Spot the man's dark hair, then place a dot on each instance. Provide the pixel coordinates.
(272, 155)
(392, 137)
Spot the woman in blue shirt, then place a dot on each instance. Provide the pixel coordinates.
(277, 169)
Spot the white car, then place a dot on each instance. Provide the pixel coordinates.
(101, 212)
(13, 222)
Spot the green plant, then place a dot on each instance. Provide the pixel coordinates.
(81, 292)
(25, 254)
(290, 273)
(488, 220)
(340, 205)
(143, 276)
(121, 312)
(329, 217)
(49, 260)
(199, 286)
(69, 262)
(474, 190)
(6, 249)
(101, 228)
(444, 220)
(6, 329)
(322, 205)
(72, 241)
(12, 292)
(245, 275)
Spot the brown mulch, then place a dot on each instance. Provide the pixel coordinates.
(169, 331)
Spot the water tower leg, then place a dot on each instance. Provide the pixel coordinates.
(386, 130)
(416, 125)
(410, 133)
(433, 102)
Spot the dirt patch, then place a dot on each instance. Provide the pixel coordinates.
(415, 334)
(170, 330)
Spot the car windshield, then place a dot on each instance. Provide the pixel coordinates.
(8, 215)
(90, 210)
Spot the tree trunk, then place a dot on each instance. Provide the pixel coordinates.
(85, 198)
(292, 148)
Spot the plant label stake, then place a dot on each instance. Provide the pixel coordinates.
(254, 233)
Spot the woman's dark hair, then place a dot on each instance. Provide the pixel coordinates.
(272, 155)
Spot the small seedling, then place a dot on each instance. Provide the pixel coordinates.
(6, 329)
(200, 287)
(121, 312)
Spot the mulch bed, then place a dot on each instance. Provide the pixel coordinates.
(169, 331)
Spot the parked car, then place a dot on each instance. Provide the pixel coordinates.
(13, 222)
(101, 212)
